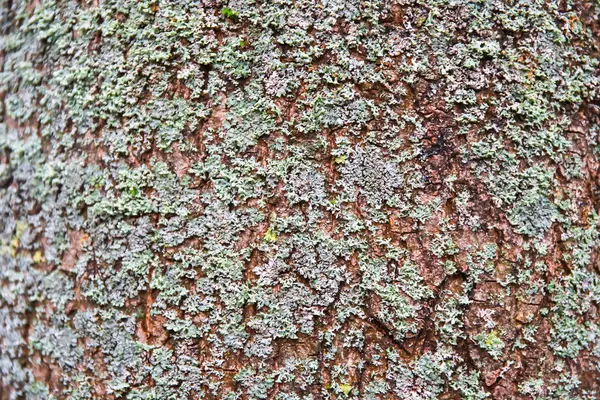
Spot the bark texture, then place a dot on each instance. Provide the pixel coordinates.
(299, 199)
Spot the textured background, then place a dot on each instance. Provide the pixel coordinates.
(299, 200)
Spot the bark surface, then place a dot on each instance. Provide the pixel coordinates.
(299, 200)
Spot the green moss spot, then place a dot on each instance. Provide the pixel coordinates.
(345, 388)
(341, 159)
(229, 13)
(270, 236)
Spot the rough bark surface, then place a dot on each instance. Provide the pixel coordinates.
(299, 199)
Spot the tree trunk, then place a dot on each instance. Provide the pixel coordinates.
(300, 200)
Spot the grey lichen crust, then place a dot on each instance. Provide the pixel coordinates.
(299, 200)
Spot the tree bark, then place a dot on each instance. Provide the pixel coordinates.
(299, 200)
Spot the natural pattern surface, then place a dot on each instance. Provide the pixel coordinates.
(299, 199)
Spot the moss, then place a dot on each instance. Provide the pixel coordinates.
(270, 236)
(229, 13)
(491, 343)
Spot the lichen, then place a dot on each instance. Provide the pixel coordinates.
(299, 200)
